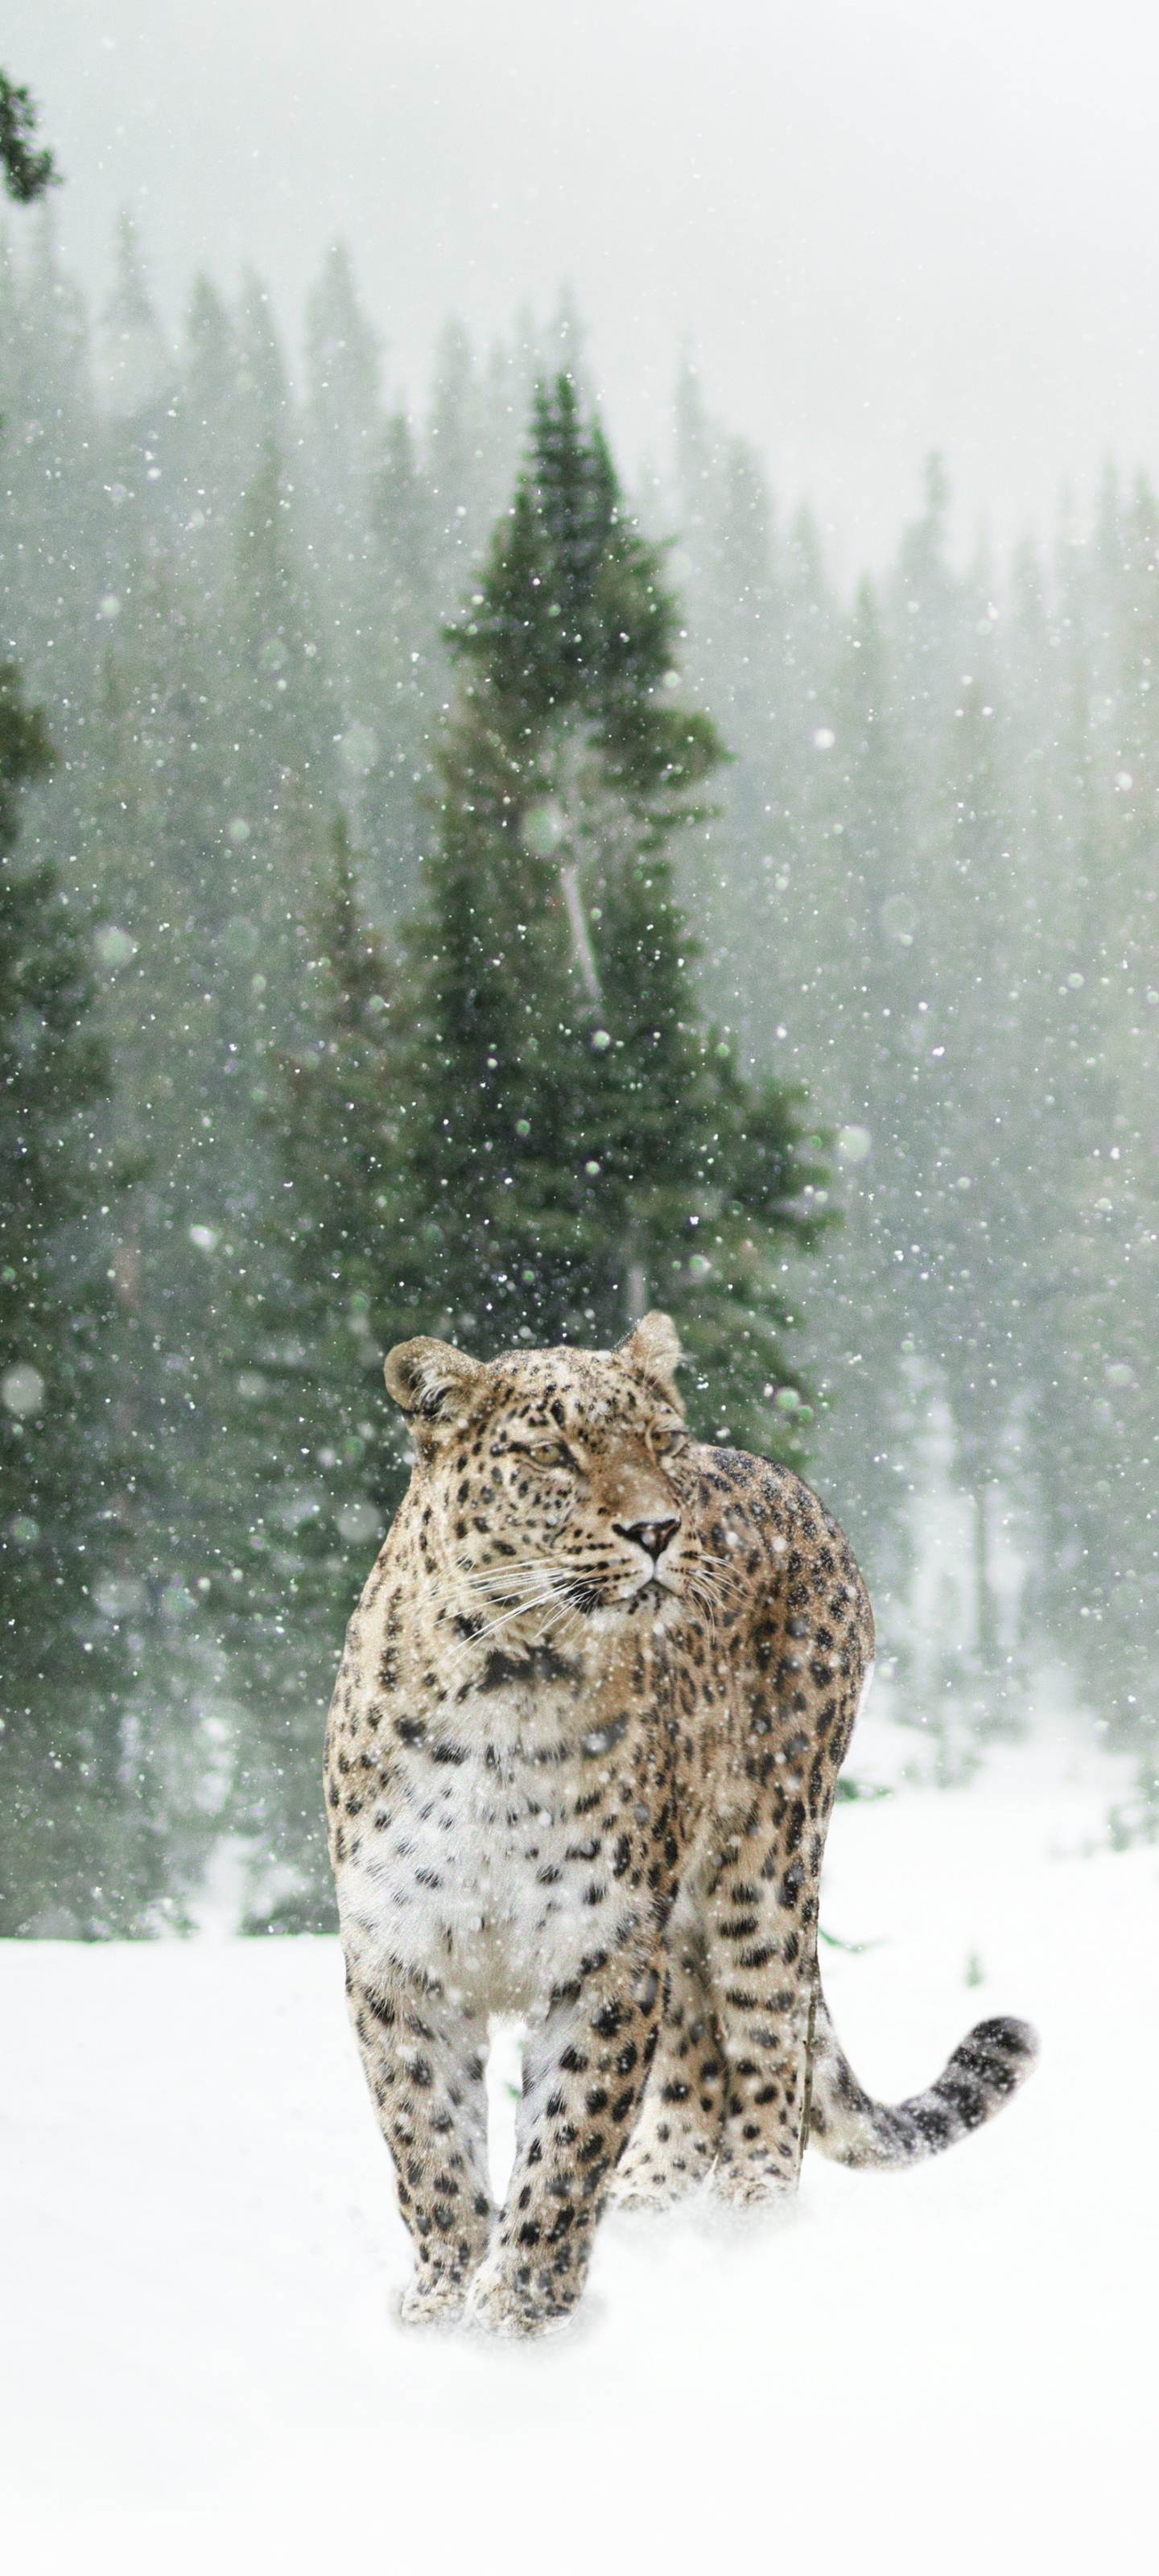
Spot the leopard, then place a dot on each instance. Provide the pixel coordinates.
(580, 1763)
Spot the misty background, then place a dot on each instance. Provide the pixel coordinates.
(877, 228)
(865, 300)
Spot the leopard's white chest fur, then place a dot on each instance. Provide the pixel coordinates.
(491, 1871)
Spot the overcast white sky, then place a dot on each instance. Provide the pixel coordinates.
(879, 225)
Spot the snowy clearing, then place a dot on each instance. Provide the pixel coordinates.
(201, 2364)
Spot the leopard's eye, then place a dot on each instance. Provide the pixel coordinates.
(544, 1453)
(668, 1439)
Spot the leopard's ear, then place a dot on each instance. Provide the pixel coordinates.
(653, 1347)
(434, 1385)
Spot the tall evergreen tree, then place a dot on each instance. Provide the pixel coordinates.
(135, 367)
(568, 1140)
(405, 670)
(1095, 1427)
(342, 434)
(314, 1454)
(70, 1856)
(27, 171)
(582, 1142)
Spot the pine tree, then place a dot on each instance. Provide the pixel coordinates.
(470, 452)
(745, 649)
(210, 461)
(53, 524)
(848, 919)
(975, 1151)
(27, 173)
(562, 1139)
(1094, 1428)
(315, 1457)
(135, 367)
(582, 1144)
(342, 432)
(405, 670)
(76, 1852)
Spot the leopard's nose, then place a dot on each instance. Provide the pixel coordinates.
(655, 1536)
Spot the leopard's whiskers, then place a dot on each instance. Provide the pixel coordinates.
(490, 1578)
(516, 1610)
(550, 1595)
(701, 1594)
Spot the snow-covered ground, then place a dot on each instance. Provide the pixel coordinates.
(953, 2367)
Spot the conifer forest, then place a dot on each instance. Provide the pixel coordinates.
(446, 887)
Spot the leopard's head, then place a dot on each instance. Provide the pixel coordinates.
(559, 1484)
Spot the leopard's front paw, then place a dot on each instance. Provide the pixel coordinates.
(513, 2301)
(433, 2301)
(647, 2181)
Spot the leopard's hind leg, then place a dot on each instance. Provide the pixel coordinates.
(674, 2143)
(761, 1933)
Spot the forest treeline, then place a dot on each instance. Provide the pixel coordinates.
(920, 887)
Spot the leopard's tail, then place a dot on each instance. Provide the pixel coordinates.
(983, 2072)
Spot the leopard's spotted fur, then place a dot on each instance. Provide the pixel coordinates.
(580, 1763)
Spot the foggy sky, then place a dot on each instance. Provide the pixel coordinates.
(878, 226)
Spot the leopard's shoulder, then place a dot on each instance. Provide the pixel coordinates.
(781, 1544)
